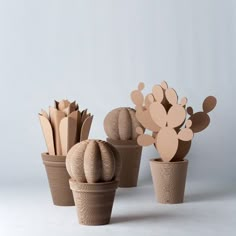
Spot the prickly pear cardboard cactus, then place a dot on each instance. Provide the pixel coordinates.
(64, 126)
(172, 123)
(93, 161)
(121, 124)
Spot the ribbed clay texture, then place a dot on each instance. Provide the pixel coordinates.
(93, 161)
(121, 124)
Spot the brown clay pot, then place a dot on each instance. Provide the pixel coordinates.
(58, 179)
(169, 180)
(94, 201)
(130, 154)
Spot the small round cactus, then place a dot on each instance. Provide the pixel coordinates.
(93, 161)
(121, 124)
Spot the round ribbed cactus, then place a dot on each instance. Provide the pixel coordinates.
(93, 161)
(121, 124)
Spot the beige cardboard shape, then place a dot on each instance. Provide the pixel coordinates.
(86, 128)
(158, 114)
(209, 104)
(56, 117)
(145, 119)
(67, 134)
(183, 149)
(162, 110)
(200, 121)
(167, 143)
(48, 135)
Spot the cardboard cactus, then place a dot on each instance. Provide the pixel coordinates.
(64, 126)
(94, 167)
(93, 161)
(167, 118)
(172, 125)
(120, 126)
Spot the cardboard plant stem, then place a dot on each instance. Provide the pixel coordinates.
(173, 126)
(130, 153)
(58, 180)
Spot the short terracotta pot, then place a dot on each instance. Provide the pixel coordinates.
(94, 202)
(58, 179)
(130, 154)
(169, 180)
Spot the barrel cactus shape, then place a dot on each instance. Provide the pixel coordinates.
(121, 124)
(93, 161)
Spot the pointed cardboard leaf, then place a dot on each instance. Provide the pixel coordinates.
(56, 117)
(158, 114)
(56, 104)
(171, 96)
(167, 143)
(79, 125)
(48, 134)
(86, 128)
(200, 121)
(44, 113)
(209, 104)
(67, 134)
(83, 115)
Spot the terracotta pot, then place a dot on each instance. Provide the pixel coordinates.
(130, 154)
(58, 179)
(169, 180)
(94, 201)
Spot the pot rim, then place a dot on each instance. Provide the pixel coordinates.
(53, 160)
(93, 187)
(159, 161)
(123, 142)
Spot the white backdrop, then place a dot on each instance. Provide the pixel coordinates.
(97, 52)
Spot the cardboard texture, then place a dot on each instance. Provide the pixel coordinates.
(94, 167)
(94, 202)
(64, 126)
(120, 126)
(58, 179)
(172, 124)
(130, 155)
(169, 180)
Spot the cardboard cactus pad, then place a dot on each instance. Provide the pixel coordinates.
(171, 122)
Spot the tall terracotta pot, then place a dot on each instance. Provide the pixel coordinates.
(130, 154)
(169, 180)
(58, 179)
